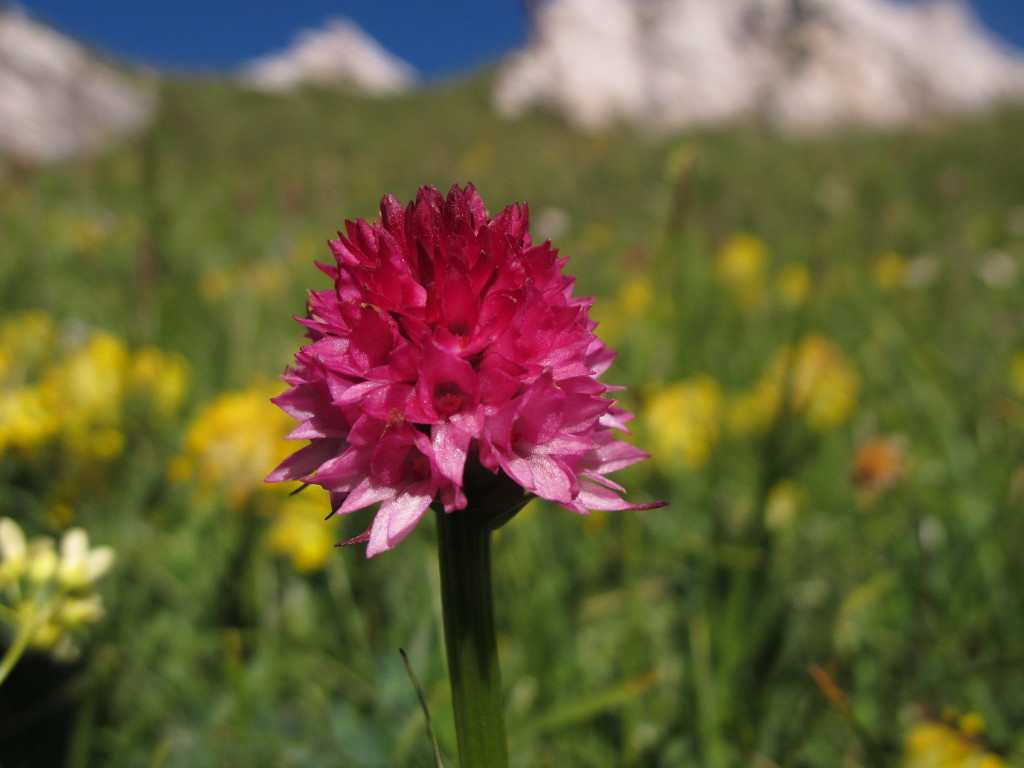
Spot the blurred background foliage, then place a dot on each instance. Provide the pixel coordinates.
(823, 340)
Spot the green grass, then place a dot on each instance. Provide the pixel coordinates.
(678, 637)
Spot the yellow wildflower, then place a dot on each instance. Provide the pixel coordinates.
(793, 284)
(80, 566)
(26, 420)
(636, 296)
(85, 392)
(954, 742)
(684, 422)
(889, 270)
(783, 505)
(824, 386)
(25, 341)
(815, 381)
(76, 394)
(234, 442)
(740, 265)
(300, 531)
(161, 378)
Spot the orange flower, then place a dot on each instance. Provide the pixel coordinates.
(880, 462)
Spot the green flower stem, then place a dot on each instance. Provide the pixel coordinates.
(464, 549)
(26, 628)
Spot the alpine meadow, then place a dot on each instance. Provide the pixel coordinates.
(822, 340)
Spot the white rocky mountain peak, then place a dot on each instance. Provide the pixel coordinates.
(57, 100)
(340, 53)
(803, 65)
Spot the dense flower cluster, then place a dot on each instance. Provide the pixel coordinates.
(47, 594)
(75, 387)
(815, 381)
(956, 741)
(450, 349)
(227, 449)
(230, 443)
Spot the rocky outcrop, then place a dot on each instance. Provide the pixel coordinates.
(803, 65)
(340, 54)
(57, 100)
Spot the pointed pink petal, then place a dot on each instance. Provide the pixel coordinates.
(397, 517)
(365, 494)
(451, 446)
(592, 496)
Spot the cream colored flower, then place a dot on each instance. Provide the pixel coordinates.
(783, 504)
(45, 595)
(43, 561)
(80, 566)
(13, 549)
(79, 611)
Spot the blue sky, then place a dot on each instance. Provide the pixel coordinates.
(438, 37)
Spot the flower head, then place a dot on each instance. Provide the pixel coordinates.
(450, 355)
(46, 594)
(231, 442)
(684, 422)
(879, 463)
(298, 531)
(815, 380)
(956, 741)
(740, 265)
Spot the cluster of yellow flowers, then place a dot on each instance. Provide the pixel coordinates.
(230, 447)
(233, 443)
(72, 386)
(956, 741)
(47, 593)
(814, 382)
(741, 266)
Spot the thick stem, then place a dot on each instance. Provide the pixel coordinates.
(464, 549)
